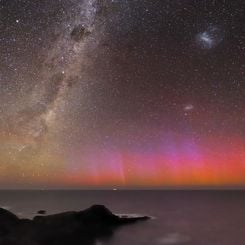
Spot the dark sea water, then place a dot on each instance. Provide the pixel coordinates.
(180, 217)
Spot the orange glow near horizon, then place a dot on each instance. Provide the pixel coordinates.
(214, 166)
(217, 163)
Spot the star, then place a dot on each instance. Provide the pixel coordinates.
(189, 107)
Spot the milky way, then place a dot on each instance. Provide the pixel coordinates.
(122, 93)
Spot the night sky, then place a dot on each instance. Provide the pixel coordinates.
(122, 93)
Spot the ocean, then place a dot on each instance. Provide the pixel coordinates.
(178, 217)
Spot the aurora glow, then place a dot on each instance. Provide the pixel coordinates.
(122, 94)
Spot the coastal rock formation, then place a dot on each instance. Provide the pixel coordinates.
(69, 228)
(8, 221)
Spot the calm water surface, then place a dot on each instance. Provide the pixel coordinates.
(181, 217)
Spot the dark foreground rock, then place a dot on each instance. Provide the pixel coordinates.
(69, 228)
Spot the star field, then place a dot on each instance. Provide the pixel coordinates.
(103, 93)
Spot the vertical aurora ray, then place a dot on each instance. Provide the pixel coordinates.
(174, 162)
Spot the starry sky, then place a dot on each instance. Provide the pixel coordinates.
(122, 93)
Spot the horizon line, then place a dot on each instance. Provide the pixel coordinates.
(242, 188)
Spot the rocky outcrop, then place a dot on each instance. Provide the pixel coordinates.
(8, 221)
(41, 212)
(69, 228)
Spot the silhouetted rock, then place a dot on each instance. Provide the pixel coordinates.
(41, 212)
(7, 221)
(69, 228)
